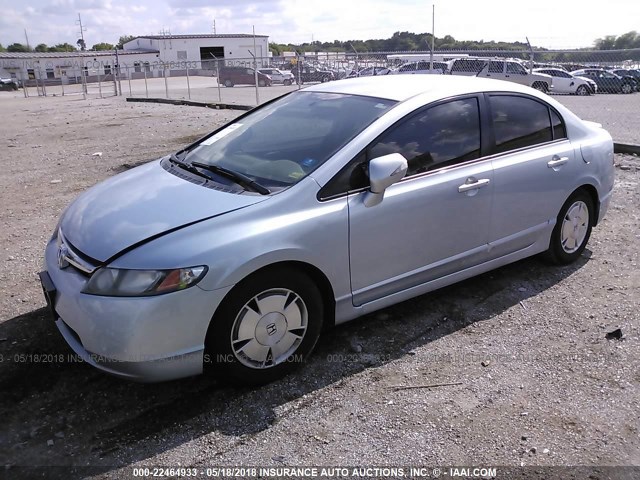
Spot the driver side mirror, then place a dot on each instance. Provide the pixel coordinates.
(383, 172)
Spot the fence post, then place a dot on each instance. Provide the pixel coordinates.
(44, 85)
(146, 88)
(188, 85)
(24, 85)
(100, 85)
(117, 65)
(84, 83)
(62, 84)
(166, 80)
(129, 77)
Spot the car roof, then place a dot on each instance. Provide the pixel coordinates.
(403, 87)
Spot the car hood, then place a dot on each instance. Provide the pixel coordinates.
(140, 204)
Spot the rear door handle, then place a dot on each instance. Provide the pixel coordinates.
(557, 161)
(473, 184)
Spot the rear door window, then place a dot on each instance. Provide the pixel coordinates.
(520, 122)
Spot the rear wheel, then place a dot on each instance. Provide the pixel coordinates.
(267, 325)
(573, 229)
(261, 83)
(287, 82)
(228, 83)
(627, 88)
(582, 90)
(325, 79)
(541, 86)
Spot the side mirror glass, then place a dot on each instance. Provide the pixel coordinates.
(383, 172)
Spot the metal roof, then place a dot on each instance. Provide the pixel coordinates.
(199, 35)
(86, 53)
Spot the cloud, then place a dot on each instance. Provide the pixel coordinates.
(297, 21)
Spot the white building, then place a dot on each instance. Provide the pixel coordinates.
(151, 56)
(203, 48)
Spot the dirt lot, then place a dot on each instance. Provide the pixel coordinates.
(539, 384)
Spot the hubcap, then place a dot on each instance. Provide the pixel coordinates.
(269, 328)
(574, 227)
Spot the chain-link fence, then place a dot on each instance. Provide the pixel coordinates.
(238, 81)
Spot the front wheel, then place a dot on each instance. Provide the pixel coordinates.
(582, 90)
(627, 88)
(228, 83)
(262, 83)
(573, 229)
(287, 82)
(268, 325)
(325, 79)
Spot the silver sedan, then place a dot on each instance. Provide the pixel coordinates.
(231, 255)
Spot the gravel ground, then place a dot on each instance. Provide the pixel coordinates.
(617, 113)
(536, 380)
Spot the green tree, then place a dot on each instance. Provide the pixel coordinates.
(276, 49)
(81, 44)
(102, 46)
(41, 47)
(625, 41)
(2, 49)
(62, 47)
(124, 39)
(17, 47)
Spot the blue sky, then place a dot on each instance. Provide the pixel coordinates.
(556, 24)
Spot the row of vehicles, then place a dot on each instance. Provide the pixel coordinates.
(546, 78)
(543, 77)
(267, 76)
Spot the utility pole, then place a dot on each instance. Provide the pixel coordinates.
(82, 30)
(27, 38)
(214, 26)
(433, 35)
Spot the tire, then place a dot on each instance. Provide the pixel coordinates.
(541, 86)
(626, 88)
(287, 82)
(573, 229)
(582, 91)
(228, 83)
(324, 79)
(267, 325)
(262, 83)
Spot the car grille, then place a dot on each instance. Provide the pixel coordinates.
(68, 255)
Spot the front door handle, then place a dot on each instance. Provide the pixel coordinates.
(473, 184)
(557, 161)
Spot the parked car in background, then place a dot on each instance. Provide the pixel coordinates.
(8, 84)
(230, 76)
(607, 82)
(304, 73)
(421, 67)
(278, 76)
(629, 75)
(510, 70)
(337, 200)
(370, 71)
(565, 82)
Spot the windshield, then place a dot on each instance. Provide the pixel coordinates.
(281, 143)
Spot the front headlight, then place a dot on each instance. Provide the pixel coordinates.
(114, 282)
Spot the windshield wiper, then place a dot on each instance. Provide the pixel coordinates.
(187, 166)
(239, 178)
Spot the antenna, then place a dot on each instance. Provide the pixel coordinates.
(166, 34)
(214, 26)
